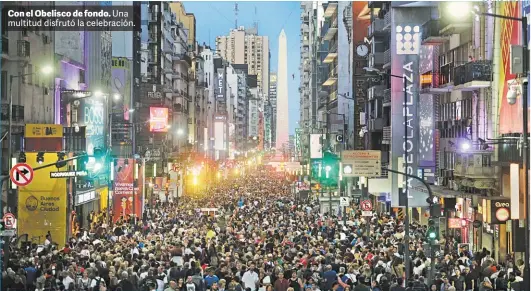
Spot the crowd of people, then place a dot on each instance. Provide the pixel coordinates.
(260, 238)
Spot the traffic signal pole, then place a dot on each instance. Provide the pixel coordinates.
(3, 179)
(430, 194)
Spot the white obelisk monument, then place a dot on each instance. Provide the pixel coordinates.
(282, 93)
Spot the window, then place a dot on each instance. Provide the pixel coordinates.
(4, 85)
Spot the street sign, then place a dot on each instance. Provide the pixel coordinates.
(361, 163)
(366, 213)
(344, 201)
(8, 232)
(68, 174)
(366, 205)
(21, 174)
(9, 220)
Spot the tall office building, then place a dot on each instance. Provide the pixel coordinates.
(273, 101)
(282, 130)
(245, 46)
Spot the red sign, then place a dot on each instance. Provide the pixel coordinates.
(9, 220)
(366, 205)
(454, 223)
(21, 174)
(125, 194)
(158, 119)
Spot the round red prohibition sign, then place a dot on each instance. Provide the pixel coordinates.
(21, 174)
(366, 205)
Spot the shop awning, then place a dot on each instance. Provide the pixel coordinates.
(445, 193)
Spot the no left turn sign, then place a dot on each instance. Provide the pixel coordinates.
(21, 174)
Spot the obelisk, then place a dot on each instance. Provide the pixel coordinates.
(282, 138)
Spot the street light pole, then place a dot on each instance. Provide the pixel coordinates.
(405, 186)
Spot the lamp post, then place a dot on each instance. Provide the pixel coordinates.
(405, 186)
(46, 70)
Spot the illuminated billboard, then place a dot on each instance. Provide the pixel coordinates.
(158, 119)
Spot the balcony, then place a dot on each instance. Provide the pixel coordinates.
(386, 135)
(332, 30)
(331, 8)
(510, 151)
(376, 59)
(387, 59)
(332, 78)
(387, 21)
(376, 124)
(376, 27)
(376, 4)
(18, 113)
(305, 19)
(375, 91)
(430, 33)
(473, 76)
(387, 97)
(332, 54)
(152, 16)
(182, 58)
(475, 165)
(446, 76)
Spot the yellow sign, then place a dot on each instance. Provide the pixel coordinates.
(104, 197)
(42, 204)
(43, 130)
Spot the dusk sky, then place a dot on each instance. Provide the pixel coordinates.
(218, 18)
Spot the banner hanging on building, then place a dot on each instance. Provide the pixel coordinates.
(405, 48)
(125, 194)
(42, 204)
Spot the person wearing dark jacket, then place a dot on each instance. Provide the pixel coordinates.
(398, 285)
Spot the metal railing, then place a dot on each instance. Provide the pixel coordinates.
(430, 29)
(387, 56)
(473, 71)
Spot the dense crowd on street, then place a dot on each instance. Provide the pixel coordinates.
(261, 238)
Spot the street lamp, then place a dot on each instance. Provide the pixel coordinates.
(45, 70)
(525, 135)
(405, 186)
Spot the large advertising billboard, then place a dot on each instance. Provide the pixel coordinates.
(220, 84)
(92, 115)
(158, 119)
(316, 149)
(121, 84)
(405, 48)
(510, 116)
(126, 191)
(360, 23)
(42, 203)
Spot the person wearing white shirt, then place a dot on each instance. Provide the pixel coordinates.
(250, 278)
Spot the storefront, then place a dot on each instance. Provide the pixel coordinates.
(85, 202)
(495, 212)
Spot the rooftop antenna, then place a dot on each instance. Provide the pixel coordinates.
(236, 15)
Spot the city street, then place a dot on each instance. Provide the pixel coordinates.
(265, 146)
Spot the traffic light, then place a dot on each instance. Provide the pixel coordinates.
(22, 157)
(432, 233)
(40, 157)
(82, 161)
(60, 160)
(347, 169)
(435, 207)
(329, 169)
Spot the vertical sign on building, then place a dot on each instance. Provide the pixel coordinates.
(405, 49)
(360, 23)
